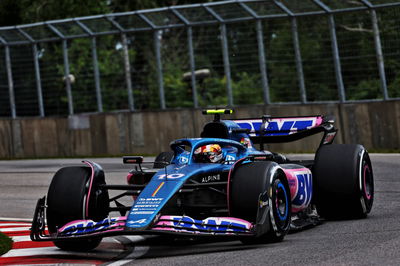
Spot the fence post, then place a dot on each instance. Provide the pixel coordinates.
(38, 79)
(261, 52)
(336, 59)
(157, 46)
(379, 54)
(128, 77)
(192, 66)
(225, 52)
(67, 78)
(227, 67)
(297, 52)
(97, 76)
(335, 50)
(99, 98)
(191, 55)
(66, 67)
(378, 48)
(299, 63)
(262, 62)
(10, 82)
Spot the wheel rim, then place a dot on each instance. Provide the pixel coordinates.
(368, 182)
(281, 203)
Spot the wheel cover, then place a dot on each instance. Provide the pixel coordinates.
(281, 201)
(368, 182)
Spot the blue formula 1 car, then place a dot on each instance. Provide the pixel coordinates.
(218, 185)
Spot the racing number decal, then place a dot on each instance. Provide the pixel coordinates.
(171, 176)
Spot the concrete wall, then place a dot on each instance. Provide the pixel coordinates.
(375, 125)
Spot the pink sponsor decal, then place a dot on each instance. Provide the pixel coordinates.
(82, 224)
(211, 225)
(300, 184)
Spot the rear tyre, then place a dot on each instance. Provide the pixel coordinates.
(66, 201)
(343, 181)
(249, 182)
(163, 159)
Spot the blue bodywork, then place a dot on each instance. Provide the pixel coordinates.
(166, 182)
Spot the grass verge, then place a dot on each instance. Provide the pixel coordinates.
(5, 243)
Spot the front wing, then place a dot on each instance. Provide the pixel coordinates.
(165, 224)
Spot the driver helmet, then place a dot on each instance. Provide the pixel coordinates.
(211, 153)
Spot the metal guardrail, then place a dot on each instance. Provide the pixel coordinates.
(156, 20)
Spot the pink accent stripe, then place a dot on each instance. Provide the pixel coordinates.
(90, 188)
(318, 122)
(194, 232)
(164, 229)
(296, 170)
(234, 219)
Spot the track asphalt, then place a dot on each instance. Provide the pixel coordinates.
(371, 241)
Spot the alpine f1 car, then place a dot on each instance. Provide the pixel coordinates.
(218, 185)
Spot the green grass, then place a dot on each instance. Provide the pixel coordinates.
(5, 243)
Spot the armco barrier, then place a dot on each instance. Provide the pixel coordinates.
(376, 125)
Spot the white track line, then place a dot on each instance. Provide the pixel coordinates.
(98, 253)
(15, 219)
(21, 238)
(32, 252)
(14, 224)
(135, 239)
(14, 229)
(137, 253)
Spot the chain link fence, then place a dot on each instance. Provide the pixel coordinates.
(215, 54)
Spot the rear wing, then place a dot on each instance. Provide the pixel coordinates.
(285, 129)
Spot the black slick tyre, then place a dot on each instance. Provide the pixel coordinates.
(66, 201)
(252, 181)
(343, 181)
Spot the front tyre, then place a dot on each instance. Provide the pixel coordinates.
(254, 185)
(67, 201)
(343, 181)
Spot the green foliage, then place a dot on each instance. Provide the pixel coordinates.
(366, 89)
(55, 9)
(394, 88)
(212, 92)
(5, 243)
(280, 60)
(354, 35)
(247, 89)
(178, 92)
